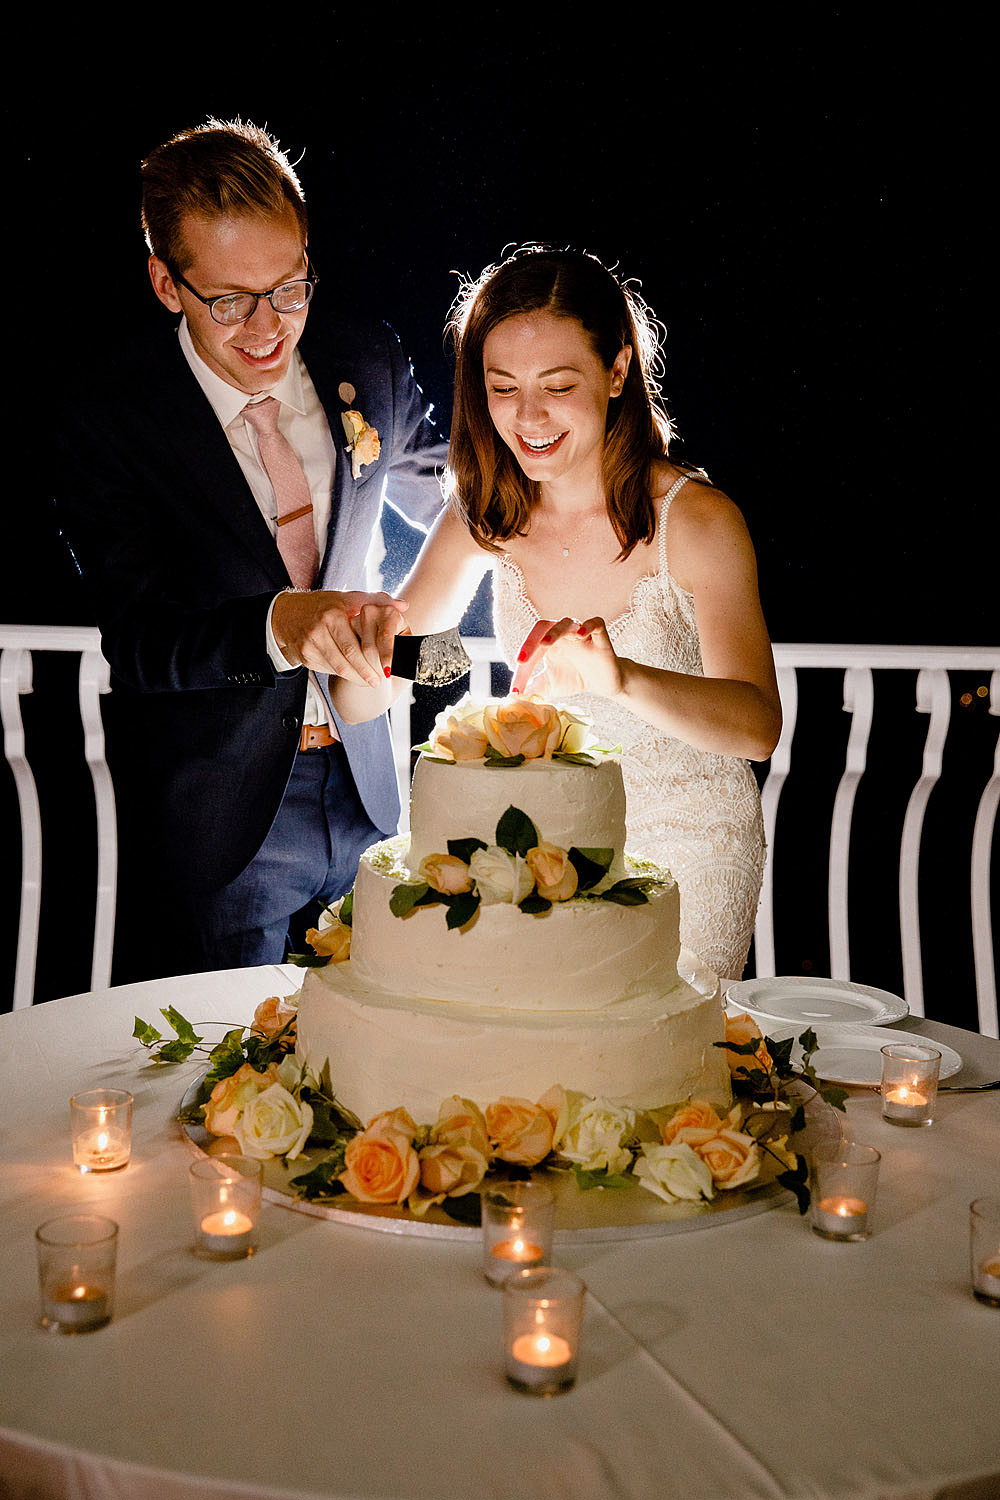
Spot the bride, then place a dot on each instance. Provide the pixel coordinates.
(617, 575)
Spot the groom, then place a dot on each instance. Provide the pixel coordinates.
(219, 490)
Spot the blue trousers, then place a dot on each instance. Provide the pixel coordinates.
(310, 856)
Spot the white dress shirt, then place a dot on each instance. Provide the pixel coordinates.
(302, 420)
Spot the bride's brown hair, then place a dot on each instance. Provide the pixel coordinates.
(492, 492)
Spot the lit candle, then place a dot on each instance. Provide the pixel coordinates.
(841, 1217)
(227, 1232)
(904, 1103)
(77, 1307)
(101, 1150)
(521, 1252)
(541, 1361)
(101, 1122)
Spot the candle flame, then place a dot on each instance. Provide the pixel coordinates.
(102, 1141)
(229, 1217)
(543, 1344)
(78, 1292)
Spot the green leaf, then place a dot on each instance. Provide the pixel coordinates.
(468, 1209)
(346, 913)
(462, 908)
(796, 1180)
(175, 1052)
(516, 832)
(534, 905)
(405, 897)
(630, 892)
(321, 1181)
(185, 1031)
(835, 1097)
(585, 1180)
(464, 849)
(145, 1033)
(497, 762)
(575, 757)
(591, 865)
(309, 960)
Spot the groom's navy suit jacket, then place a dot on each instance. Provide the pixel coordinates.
(182, 568)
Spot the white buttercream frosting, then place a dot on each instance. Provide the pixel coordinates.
(585, 994)
(568, 804)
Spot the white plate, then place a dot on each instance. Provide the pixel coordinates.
(813, 1001)
(852, 1054)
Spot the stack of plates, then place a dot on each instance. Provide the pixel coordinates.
(850, 1022)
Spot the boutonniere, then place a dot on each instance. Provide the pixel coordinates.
(363, 442)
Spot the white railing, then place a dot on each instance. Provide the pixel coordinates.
(933, 698)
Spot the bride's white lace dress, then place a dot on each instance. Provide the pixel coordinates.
(695, 812)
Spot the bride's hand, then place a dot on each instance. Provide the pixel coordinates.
(562, 657)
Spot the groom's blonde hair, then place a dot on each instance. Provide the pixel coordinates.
(221, 167)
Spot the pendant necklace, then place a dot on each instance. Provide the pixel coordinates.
(564, 546)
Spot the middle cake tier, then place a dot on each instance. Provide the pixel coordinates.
(580, 956)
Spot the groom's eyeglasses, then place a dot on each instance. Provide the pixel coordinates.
(237, 307)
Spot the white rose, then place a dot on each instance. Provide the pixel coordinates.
(673, 1172)
(592, 1133)
(577, 734)
(273, 1124)
(500, 876)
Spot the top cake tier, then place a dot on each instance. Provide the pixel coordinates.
(581, 805)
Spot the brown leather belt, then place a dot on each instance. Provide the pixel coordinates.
(316, 737)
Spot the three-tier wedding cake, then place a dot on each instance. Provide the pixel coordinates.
(510, 943)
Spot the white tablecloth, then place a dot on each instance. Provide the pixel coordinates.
(744, 1360)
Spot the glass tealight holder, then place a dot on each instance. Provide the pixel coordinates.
(76, 1272)
(517, 1228)
(542, 1314)
(225, 1200)
(984, 1248)
(909, 1083)
(843, 1178)
(101, 1123)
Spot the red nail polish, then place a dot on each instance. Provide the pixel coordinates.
(387, 671)
(522, 656)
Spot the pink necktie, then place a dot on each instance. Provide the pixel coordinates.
(296, 537)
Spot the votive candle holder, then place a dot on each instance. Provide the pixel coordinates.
(101, 1126)
(984, 1249)
(909, 1083)
(542, 1316)
(518, 1219)
(843, 1180)
(225, 1201)
(76, 1272)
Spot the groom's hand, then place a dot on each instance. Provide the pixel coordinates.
(348, 634)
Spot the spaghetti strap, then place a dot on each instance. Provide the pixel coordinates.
(662, 523)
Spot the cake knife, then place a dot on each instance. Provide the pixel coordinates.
(432, 660)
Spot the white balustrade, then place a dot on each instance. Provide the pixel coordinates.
(858, 663)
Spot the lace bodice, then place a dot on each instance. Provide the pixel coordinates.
(692, 810)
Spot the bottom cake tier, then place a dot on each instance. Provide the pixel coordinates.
(384, 1050)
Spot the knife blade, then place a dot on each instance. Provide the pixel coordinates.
(432, 660)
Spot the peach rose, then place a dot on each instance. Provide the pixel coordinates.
(523, 726)
(460, 1121)
(732, 1158)
(271, 1018)
(697, 1114)
(459, 733)
(451, 1169)
(380, 1163)
(333, 941)
(554, 872)
(445, 873)
(521, 1132)
(231, 1095)
(741, 1030)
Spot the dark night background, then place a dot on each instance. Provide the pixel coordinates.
(802, 210)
